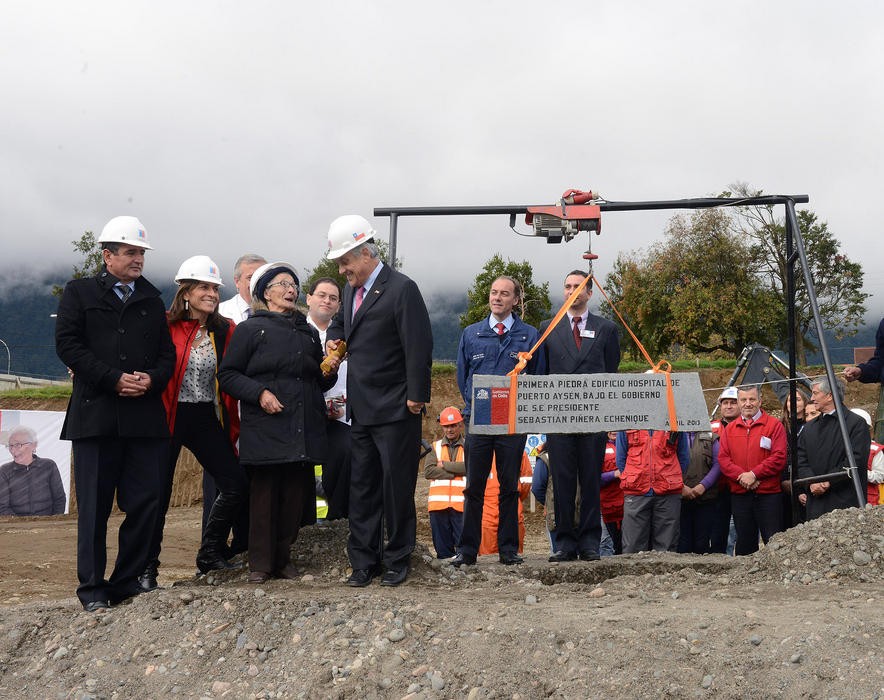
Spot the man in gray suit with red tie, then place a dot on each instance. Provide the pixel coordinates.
(581, 343)
(390, 346)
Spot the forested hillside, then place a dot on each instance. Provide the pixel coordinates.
(28, 328)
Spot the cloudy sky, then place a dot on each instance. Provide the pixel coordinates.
(230, 127)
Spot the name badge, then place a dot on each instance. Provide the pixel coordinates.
(585, 333)
(765, 442)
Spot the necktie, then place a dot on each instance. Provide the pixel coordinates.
(125, 291)
(247, 314)
(357, 302)
(577, 338)
(500, 328)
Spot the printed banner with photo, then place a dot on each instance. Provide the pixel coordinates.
(47, 426)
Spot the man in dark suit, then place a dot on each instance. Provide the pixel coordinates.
(111, 332)
(581, 343)
(821, 451)
(390, 345)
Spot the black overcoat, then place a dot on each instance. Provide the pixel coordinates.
(280, 353)
(99, 338)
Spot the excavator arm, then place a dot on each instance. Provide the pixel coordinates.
(758, 365)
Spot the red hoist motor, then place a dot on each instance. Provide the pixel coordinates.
(574, 213)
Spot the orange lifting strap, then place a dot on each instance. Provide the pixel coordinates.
(662, 367)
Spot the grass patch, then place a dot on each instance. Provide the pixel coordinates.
(630, 367)
(60, 391)
(443, 369)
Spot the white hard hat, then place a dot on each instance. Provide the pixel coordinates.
(864, 415)
(262, 271)
(125, 229)
(347, 232)
(729, 393)
(200, 268)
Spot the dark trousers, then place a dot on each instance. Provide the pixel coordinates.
(276, 506)
(575, 462)
(506, 451)
(383, 477)
(754, 514)
(131, 468)
(616, 534)
(697, 523)
(650, 523)
(336, 470)
(446, 526)
(197, 428)
(721, 525)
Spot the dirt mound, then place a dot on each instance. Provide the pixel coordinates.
(845, 546)
(649, 624)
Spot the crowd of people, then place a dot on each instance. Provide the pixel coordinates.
(262, 393)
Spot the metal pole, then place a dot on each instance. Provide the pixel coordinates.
(394, 219)
(696, 203)
(824, 348)
(793, 389)
(8, 358)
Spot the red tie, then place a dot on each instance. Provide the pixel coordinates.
(577, 338)
(501, 329)
(357, 302)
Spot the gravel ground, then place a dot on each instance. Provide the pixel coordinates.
(800, 619)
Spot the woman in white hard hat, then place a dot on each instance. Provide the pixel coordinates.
(273, 368)
(201, 418)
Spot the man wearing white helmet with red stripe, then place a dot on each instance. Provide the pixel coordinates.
(390, 344)
(111, 332)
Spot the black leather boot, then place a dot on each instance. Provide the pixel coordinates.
(148, 579)
(211, 554)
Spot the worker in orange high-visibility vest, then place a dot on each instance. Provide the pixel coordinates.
(445, 468)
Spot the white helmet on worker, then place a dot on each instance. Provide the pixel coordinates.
(862, 413)
(200, 268)
(125, 229)
(347, 232)
(730, 392)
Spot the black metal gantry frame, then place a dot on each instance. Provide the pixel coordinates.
(795, 252)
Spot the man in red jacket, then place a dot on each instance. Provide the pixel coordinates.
(752, 456)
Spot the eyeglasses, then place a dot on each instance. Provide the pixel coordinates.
(16, 445)
(285, 284)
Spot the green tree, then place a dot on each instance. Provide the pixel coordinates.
(535, 305)
(88, 246)
(837, 280)
(694, 290)
(329, 268)
(632, 288)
